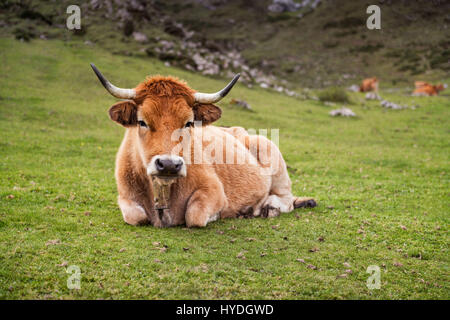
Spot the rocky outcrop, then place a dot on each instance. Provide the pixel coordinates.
(280, 6)
(183, 47)
(283, 6)
(194, 56)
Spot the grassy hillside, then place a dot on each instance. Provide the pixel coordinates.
(381, 181)
(326, 46)
(331, 44)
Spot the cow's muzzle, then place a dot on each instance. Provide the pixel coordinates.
(166, 167)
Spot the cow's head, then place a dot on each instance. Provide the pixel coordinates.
(157, 108)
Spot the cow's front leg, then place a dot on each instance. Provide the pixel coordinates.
(132, 212)
(205, 206)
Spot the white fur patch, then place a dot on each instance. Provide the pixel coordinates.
(214, 217)
(132, 212)
(278, 203)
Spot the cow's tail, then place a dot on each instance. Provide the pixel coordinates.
(304, 202)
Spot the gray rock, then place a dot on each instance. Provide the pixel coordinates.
(140, 37)
(279, 6)
(344, 112)
(353, 88)
(392, 105)
(372, 96)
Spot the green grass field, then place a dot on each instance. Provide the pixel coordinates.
(381, 181)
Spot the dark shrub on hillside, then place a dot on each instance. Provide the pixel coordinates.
(128, 28)
(35, 15)
(173, 29)
(334, 94)
(440, 60)
(367, 48)
(24, 34)
(80, 32)
(347, 22)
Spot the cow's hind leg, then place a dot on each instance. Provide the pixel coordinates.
(280, 198)
(276, 204)
(132, 212)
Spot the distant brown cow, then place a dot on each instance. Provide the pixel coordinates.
(158, 114)
(426, 89)
(368, 85)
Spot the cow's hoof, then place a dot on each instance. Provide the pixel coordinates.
(246, 213)
(269, 212)
(304, 203)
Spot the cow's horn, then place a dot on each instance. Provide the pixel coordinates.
(215, 97)
(115, 91)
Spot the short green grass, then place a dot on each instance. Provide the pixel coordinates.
(381, 181)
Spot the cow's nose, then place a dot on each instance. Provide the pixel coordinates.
(168, 166)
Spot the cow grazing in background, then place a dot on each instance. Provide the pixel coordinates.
(369, 85)
(200, 192)
(426, 89)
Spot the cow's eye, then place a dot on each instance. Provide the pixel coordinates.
(189, 124)
(142, 124)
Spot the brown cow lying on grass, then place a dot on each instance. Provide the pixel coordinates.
(369, 85)
(171, 171)
(425, 89)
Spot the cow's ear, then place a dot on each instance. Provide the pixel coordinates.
(206, 113)
(124, 113)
